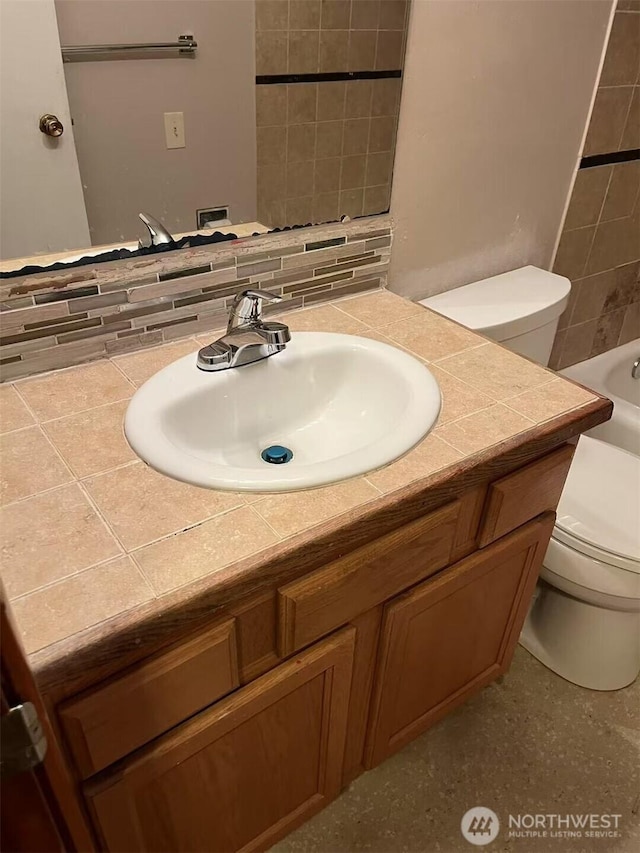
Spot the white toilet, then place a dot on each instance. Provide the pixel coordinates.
(584, 622)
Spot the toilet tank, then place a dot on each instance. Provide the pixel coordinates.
(520, 309)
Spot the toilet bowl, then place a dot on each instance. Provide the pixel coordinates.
(584, 621)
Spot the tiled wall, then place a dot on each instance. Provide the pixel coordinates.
(325, 149)
(600, 245)
(52, 320)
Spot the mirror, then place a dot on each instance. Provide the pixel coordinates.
(229, 116)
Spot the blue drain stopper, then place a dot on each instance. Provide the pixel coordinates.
(276, 454)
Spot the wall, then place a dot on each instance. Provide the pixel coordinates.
(41, 204)
(325, 149)
(118, 108)
(600, 245)
(494, 104)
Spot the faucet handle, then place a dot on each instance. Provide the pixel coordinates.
(157, 233)
(247, 307)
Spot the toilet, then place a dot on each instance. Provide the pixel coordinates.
(584, 621)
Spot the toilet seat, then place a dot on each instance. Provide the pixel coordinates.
(599, 510)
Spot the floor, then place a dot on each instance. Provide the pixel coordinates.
(531, 744)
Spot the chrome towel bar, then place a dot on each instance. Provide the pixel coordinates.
(186, 44)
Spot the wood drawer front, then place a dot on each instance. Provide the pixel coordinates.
(313, 606)
(521, 496)
(106, 724)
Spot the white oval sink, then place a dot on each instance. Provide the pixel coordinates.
(343, 405)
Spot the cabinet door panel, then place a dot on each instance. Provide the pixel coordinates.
(245, 772)
(452, 635)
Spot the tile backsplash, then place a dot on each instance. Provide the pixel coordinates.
(57, 319)
(600, 245)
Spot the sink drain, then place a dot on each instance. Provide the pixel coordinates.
(276, 454)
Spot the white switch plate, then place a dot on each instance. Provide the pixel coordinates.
(174, 130)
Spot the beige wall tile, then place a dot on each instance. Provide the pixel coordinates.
(304, 14)
(365, 14)
(379, 168)
(358, 98)
(622, 58)
(592, 293)
(49, 537)
(607, 120)
(577, 343)
(362, 50)
(142, 505)
(386, 97)
(631, 134)
(484, 429)
(188, 556)
(631, 324)
(327, 175)
(80, 602)
(431, 337)
(380, 308)
(495, 371)
(326, 206)
(382, 133)
(608, 328)
(29, 465)
(392, 14)
(549, 400)
(325, 318)
(331, 101)
(625, 287)
(334, 49)
(329, 139)
(574, 297)
(271, 52)
(304, 46)
(75, 390)
(301, 102)
(356, 136)
(299, 210)
(271, 182)
(351, 202)
(271, 145)
(13, 412)
(573, 252)
(458, 398)
(389, 50)
(300, 178)
(353, 171)
(623, 190)
(272, 14)
(301, 142)
(271, 105)
(615, 243)
(140, 366)
(288, 513)
(429, 456)
(588, 197)
(555, 358)
(336, 14)
(93, 441)
(376, 200)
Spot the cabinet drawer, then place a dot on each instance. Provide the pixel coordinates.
(106, 724)
(313, 606)
(521, 496)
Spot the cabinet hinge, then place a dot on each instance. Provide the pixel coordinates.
(22, 741)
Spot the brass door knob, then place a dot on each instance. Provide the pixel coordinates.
(51, 125)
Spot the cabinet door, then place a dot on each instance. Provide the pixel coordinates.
(447, 638)
(242, 774)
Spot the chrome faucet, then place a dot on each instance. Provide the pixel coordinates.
(157, 235)
(635, 370)
(248, 337)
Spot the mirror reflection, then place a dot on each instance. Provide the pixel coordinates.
(204, 115)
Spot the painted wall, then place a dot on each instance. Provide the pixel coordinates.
(494, 105)
(118, 108)
(41, 204)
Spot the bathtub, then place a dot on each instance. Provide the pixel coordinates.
(610, 374)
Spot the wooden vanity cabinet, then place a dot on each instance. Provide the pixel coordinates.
(450, 636)
(243, 773)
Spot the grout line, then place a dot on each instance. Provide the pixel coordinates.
(98, 512)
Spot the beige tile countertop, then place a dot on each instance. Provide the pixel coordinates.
(93, 539)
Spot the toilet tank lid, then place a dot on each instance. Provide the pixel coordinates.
(600, 503)
(506, 305)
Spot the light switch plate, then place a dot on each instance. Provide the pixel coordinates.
(174, 130)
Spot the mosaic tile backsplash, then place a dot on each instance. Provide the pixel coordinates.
(53, 320)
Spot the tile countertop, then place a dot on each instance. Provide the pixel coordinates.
(94, 541)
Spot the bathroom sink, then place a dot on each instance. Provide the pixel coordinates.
(327, 408)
